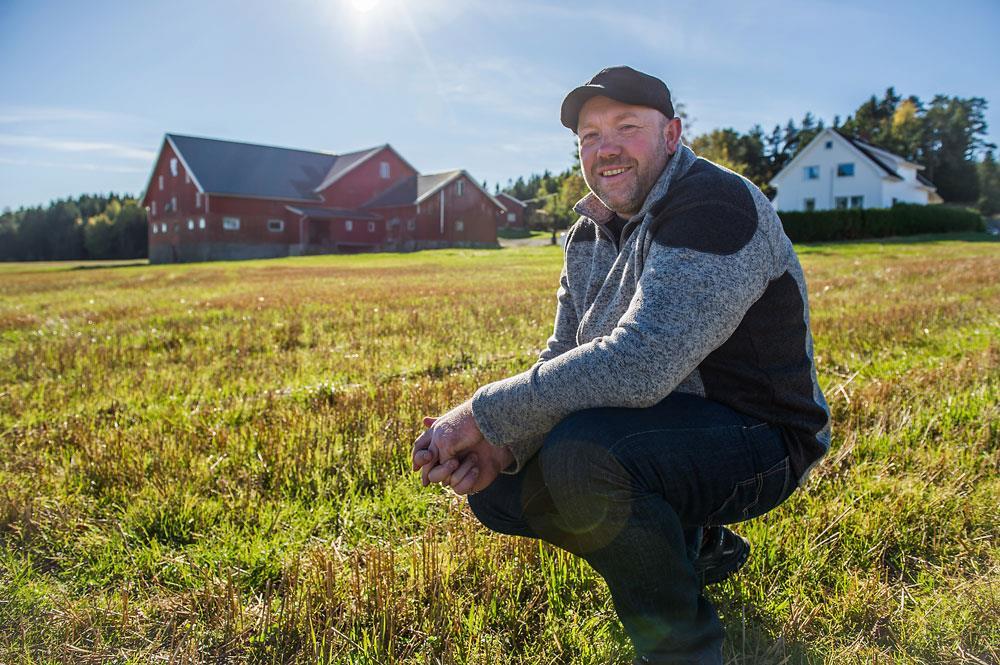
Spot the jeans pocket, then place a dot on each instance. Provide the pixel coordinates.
(755, 496)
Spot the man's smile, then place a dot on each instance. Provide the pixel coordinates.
(610, 173)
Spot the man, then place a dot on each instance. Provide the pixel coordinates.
(677, 391)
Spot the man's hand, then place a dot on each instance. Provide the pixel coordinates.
(454, 452)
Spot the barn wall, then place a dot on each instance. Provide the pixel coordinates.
(364, 183)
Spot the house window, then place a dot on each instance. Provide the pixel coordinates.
(190, 225)
(829, 144)
(173, 166)
(383, 170)
(275, 225)
(511, 217)
(895, 200)
(840, 202)
(459, 186)
(857, 202)
(348, 225)
(459, 226)
(160, 180)
(812, 172)
(231, 223)
(371, 227)
(152, 209)
(810, 205)
(411, 225)
(197, 199)
(201, 223)
(845, 170)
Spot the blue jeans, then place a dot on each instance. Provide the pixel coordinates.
(629, 490)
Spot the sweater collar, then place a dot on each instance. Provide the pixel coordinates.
(593, 208)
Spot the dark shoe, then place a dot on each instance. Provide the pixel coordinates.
(722, 554)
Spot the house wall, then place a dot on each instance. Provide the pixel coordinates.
(363, 183)
(904, 192)
(793, 188)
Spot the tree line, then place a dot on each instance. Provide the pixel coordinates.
(91, 226)
(946, 135)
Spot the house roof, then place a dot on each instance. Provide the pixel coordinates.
(415, 189)
(865, 148)
(331, 213)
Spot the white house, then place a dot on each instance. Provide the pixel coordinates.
(837, 171)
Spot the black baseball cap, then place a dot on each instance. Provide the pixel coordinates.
(623, 84)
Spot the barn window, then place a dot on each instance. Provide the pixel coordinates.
(845, 170)
(411, 225)
(275, 225)
(511, 217)
(173, 204)
(197, 199)
(160, 180)
(163, 227)
(383, 170)
(190, 225)
(173, 166)
(459, 186)
(187, 178)
(231, 223)
(152, 209)
(201, 223)
(155, 228)
(459, 225)
(348, 225)
(371, 227)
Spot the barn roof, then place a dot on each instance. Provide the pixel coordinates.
(331, 213)
(410, 191)
(247, 169)
(508, 197)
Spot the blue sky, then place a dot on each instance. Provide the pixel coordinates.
(87, 89)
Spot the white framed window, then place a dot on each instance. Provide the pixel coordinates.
(811, 172)
(190, 225)
(857, 201)
(371, 227)
(201, 223)
(459, 188)
(231, 223)
(511, 217)
(275, 225)
(173, 204)
(160, 180)
(810, 205)
(187, 178)
(459, 225)
(173, 166)
(348, 225)
(840, 202)
(383, 170)
(197, 200)
(845, 170)
(152, 208)
(411, 225)
(156, 228)
(163, 227)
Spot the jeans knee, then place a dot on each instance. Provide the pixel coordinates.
(495, 514)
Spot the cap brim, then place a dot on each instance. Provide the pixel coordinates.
(574, 101)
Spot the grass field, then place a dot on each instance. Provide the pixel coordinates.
(209, 463)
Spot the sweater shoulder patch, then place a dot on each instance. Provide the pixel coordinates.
(709, 210)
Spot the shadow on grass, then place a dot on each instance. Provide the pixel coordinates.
(755, 639)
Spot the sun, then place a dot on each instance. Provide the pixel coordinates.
(364, 6)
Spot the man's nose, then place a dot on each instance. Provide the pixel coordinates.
(608, 148)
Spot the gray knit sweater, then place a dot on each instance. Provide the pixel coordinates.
(704, 296)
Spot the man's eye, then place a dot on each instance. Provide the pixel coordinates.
(588, 137)
(627, 128)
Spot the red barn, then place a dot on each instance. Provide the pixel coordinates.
(214, 200)
(514, 216)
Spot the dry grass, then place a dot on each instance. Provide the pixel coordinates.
(209, 463)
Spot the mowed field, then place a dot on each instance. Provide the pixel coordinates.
(210, 463)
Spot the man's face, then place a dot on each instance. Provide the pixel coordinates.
(623, 149)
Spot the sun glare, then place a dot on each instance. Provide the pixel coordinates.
(364, 6)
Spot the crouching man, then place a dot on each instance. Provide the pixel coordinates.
(677, 392)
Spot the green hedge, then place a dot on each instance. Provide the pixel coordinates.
(900, 220)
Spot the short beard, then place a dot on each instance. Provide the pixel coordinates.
(644, 181)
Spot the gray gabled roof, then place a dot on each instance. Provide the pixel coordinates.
(519, 202)
(235, 168)
(331, 213)
(411, 190)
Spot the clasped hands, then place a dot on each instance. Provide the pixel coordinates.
(454, 452)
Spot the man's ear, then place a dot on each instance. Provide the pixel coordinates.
(672, 134)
